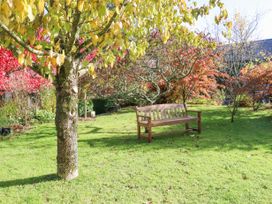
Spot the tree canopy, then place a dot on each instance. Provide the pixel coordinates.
(58, 28)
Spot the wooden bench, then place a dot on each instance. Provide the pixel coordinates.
(165, 114)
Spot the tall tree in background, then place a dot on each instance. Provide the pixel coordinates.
(240, 49)
(202, 82)
(170, 72)
(156, 74)
(176, 70)
(68, 30)
(239, 52)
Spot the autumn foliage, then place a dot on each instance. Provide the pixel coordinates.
(171, 72)
(257, 82)
(202, 81)
(14, 78)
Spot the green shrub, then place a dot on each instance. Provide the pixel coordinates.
(81, 108)
(48, 100)
(104, 105)
(24, 108)
(44, 116)
(245, 102)
(4, 121)
(202, 101)
(9, 113)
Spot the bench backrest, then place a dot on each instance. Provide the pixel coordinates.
(162, 111)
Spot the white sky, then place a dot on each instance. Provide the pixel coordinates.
(248, 8)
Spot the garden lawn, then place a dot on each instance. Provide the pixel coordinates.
(227, 163)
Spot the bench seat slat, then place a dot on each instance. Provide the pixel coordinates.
(159, 107)
(155, 123)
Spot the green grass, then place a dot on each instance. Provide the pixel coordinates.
(228, 163)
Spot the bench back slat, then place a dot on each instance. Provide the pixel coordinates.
(162, 111)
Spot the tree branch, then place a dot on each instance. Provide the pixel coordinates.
(88, 42)
(21, 42)
(75, 28)
(104, 30)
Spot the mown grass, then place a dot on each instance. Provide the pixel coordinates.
(227, 163)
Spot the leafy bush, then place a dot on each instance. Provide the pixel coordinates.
(111, 105)
(245, 102)
(24, 108)
(104, 105)
(202, 101)
(44, 116)
(48, 100)
(81, 108)
(9, 113)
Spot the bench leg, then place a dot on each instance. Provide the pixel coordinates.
(199, 126)
(139, 131)
(199, 123)
(149, 135)
(146, 130)
(187, 127)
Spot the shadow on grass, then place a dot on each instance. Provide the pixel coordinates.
(29, 181)
(249, 132)
(122, 140)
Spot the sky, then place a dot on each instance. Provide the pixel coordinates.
(248, 8)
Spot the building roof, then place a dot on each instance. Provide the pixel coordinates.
(264, 46)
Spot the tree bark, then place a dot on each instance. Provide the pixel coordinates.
(85, 104)
(233, 112)
(66, 120)
(232, 118)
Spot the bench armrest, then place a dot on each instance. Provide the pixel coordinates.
(146, 118)
(196, 111)
(143, 116)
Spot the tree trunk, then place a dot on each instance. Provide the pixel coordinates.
(187, 127)
(232, 118)
(233, 113)
(85, 105)
(184, 103)
(66, 120)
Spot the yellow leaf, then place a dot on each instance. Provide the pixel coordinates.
(21, 58)
(38, 47)
(57, 46)
(30, 13)
(56, 3)
(120, 25)
(21, 8)
(80, 5)
(28, 60)
(53, 61)
(4, 20)
(116, 2)
(68, 2)
(60, 59)
(111, 64)
(19, 5)
(32, 40)
(229, 25)
(116, 28)
(95, 39)
(6, 10)
(21, 30)
(92, 70)
(41, 6)
(165, 37)
(10, 3)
